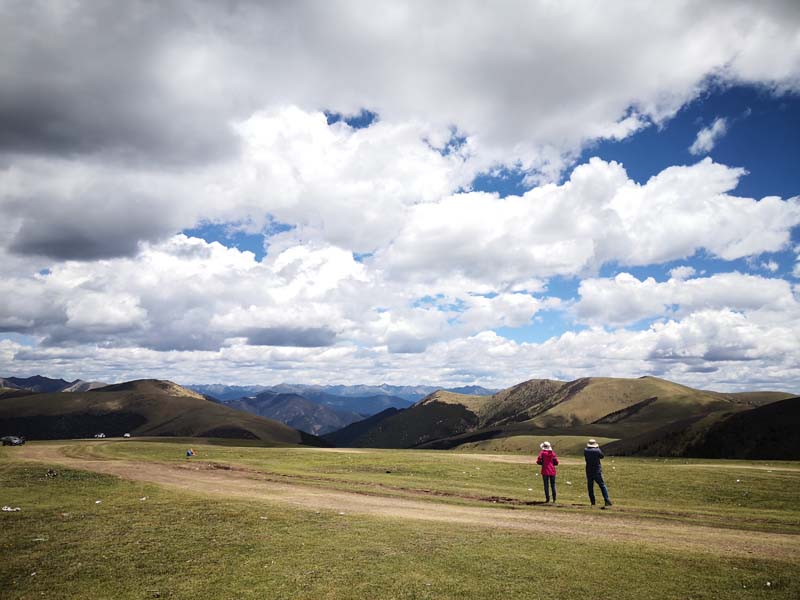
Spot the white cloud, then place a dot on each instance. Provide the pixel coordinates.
(770, 266)
(599, 215)
(574, 74)
(682, 272)
(708, 137)
(348, 187)
(710, 349)
(625, 299)
(96, 311)
(383, 189)
(187, 294)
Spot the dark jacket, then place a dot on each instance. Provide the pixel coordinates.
(593, 457)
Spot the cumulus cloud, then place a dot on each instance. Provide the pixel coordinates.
(349, 187)
(682, 272)
(708, 137)
(187, 294)
(625, 299)
(161, 82)
(598, 216)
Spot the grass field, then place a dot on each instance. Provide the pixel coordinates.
(225, 540)
(529, 444)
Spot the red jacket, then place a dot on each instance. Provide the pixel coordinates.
(548, 460)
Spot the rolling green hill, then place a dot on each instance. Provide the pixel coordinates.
(428, 420)
(602, 407)
(765, 432)
(143, 408)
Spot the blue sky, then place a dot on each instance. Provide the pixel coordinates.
(358, 199)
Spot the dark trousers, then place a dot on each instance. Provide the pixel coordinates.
(552, 480)
(593, 477)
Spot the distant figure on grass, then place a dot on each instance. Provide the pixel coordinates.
(594, 471)
(190, 452)
(548, 459)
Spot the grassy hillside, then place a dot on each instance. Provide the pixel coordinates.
(521, 401)
(144, 407)
(424, 422)
(351, 435)
(440, 415)
(37, 383)
(596, 399)
(603, 407)
(765, 432)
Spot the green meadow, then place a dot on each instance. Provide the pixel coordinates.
(143, 540)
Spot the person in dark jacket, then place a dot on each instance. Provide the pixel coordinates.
(548, 459)
(594, 471)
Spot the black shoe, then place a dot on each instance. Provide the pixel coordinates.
(608, 503)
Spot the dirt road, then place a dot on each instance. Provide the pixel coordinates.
(236, 482)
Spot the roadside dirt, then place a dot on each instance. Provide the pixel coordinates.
(237, 482)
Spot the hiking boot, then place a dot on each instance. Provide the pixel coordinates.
(608, 503)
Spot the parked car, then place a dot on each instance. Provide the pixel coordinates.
(99, 435)
(13, 440)
(126, 435)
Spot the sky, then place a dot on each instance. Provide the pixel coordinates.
(440, 193)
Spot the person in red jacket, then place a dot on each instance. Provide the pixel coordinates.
(548, 459)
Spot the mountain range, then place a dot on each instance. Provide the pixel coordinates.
(637, 416)
(320, 409)
(409, 394)
(146, 407)
(644, 416)
(314, 409)
(296, 411)
(37, 383)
